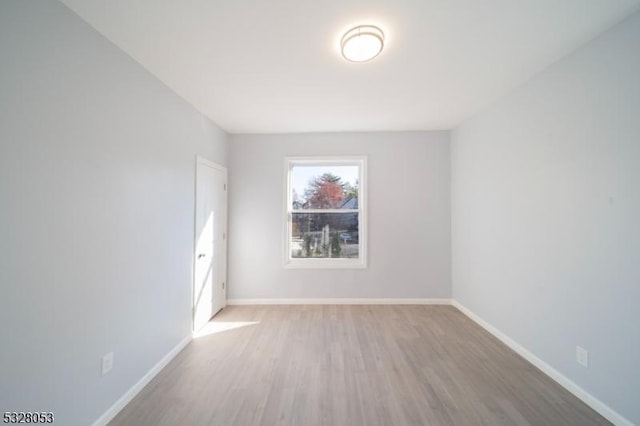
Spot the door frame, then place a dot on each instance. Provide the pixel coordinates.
(200, 162)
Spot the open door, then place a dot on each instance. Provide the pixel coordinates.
(210, 255)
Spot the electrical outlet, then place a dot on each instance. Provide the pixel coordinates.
(582, 356)
(107, 363)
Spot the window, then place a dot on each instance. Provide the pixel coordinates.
(325, 212)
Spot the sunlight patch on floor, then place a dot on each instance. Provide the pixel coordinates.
(213, 327)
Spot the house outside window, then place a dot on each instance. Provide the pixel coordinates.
(325, 224)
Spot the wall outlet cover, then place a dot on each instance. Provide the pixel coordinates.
(107, 363)
(582, 356)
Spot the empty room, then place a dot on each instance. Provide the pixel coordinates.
(349, 213)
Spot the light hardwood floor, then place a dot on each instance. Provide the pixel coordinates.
(351, 365)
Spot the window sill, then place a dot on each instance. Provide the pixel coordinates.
(301, 263)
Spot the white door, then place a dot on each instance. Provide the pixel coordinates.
(210, 242)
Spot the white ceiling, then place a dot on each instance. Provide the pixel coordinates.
(256, 66)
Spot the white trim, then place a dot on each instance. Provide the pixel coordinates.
(327, 263)
(320, 160)
(347, 301)
(600, 407)
(108, 415)
(210, 163)
(324, 263)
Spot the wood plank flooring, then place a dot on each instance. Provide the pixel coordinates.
(351, 365)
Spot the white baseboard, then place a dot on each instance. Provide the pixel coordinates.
(135, 389)
(339, 302)
(600, 407)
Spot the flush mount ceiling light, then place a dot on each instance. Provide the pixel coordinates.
(362, 43)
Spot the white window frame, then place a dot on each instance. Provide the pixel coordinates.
(327, 263)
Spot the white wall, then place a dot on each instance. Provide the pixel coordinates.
(546, 216)
(96, 214)
(408, 215)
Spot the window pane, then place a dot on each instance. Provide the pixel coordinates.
(324, 235)
(324, 187)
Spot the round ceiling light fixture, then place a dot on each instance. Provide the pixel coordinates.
(362, 43)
